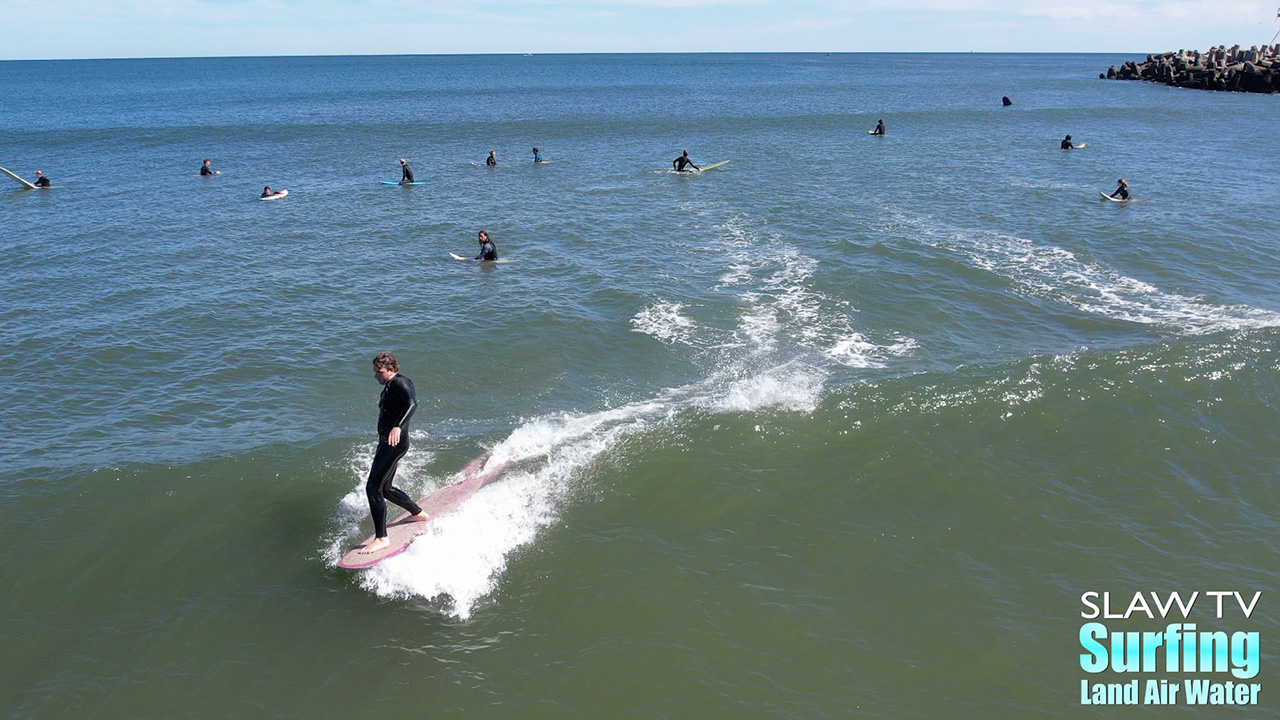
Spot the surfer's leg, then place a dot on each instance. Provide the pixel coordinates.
(399, 497)
(385, 461)
(395, 494)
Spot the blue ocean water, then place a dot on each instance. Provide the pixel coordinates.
(844, 426)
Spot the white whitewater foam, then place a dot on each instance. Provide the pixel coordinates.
(1056, 273)
(663, 321)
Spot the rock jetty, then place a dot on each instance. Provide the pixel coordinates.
(1256, 70)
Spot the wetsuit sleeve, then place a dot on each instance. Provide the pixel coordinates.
(405, 391)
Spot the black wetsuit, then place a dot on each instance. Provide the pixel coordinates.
(406, 175)
(879, 129)
(488, 251)
(681, 161)
(396, 406)
(1066, 145)
(204, 170)
(42, 181)
(1122, 192)
(491, 161)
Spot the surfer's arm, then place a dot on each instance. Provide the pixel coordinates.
(411, 404)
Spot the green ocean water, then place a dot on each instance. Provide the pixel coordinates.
(845, 427)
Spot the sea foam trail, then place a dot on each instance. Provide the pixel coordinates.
(461, 557)
(1056, 273)
(776, 351)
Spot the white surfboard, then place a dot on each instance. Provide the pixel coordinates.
(1108, 197)
(455, 256)
(275, 195)
(28, 185)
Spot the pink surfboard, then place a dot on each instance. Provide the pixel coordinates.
(402, 531)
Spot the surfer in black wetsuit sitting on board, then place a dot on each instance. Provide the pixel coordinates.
(206, 170)
(1122, 190)
(680, 162)
(41, 180)
(1067, 144)
(406, 175)
(879, 128)
(488, 251)
(492, 160)
(395, 407)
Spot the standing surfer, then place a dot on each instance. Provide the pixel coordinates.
(395, 407)
(683, 160)
(406, 175)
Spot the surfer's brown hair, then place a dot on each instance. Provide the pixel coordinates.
(386, 361)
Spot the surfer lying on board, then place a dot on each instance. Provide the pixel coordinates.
(206, 170)
(1122, 190)
(488, 251)
(406, 175)
(1067, 144)
(683, 160)
(41, 180)
(395, 407)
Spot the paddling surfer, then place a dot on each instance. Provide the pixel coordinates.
(406, 175)
(680, 162)
(395, 407)
(488, 251)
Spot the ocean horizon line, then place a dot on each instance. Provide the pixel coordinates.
(644, 53)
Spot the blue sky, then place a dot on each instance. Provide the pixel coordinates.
(39, 29)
